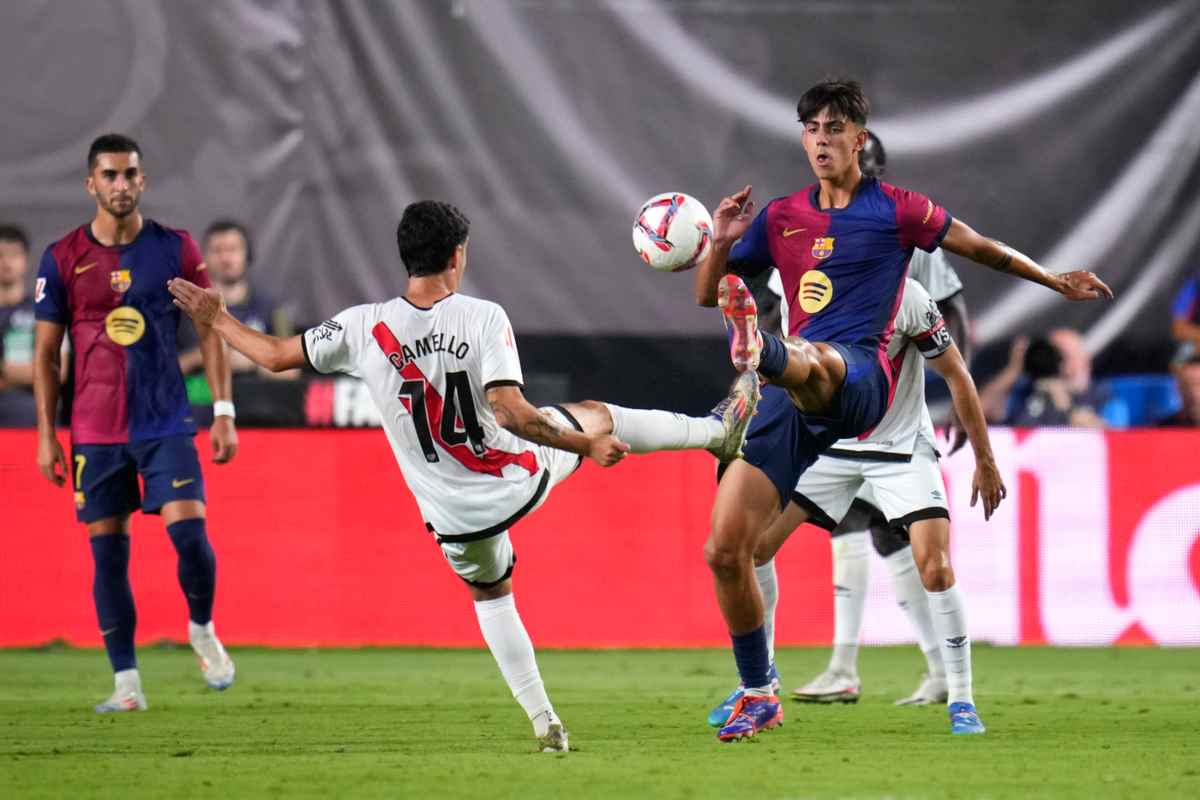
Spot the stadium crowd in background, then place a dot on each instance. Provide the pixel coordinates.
(229, 254)
(1047, 381)
(1187, 380)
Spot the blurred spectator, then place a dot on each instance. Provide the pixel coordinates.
(1187, 379)
(1185, 322)
(1052, 385)
(228, 255)
(16, 331)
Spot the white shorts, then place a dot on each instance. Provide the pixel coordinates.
(487, 561)
(904, 492)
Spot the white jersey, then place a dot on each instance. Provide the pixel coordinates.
(933, 271)
(428, 371)
(920, 331)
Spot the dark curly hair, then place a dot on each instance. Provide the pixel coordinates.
(843, 98)
(427, 235)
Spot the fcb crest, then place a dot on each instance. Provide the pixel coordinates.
(120, 280)
(822, 247)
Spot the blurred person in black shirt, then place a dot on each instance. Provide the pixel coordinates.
(228, 254)
(1187, 379)
(1052, 399)
(16, 331)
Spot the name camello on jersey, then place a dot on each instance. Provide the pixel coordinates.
(428, 345)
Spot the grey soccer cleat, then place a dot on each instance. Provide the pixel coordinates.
(932, 690)
(555, 740)
(735, 412)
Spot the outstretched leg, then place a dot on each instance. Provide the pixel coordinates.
(650, 430)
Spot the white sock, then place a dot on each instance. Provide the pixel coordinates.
(201, 631)
(510, 645)
(768, 584)
(648, 430)
(950, 622)
(851, 571)
(127, 680)
(910, 595)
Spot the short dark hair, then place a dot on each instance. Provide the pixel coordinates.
(14, 233)
(225, 225)
(111, 143)
(844, 98)
(428, 233)
(1042, 359)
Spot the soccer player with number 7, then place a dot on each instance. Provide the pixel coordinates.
(443, 370)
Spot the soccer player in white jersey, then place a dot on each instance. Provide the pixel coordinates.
(894, 468)
(444, 372)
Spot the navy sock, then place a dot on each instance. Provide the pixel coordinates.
(753, 660)
(774, 358)
(114, 598)
(197, 567)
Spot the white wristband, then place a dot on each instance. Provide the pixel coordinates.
(224, 408)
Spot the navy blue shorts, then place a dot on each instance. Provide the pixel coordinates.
(106, 476)
(784, 441)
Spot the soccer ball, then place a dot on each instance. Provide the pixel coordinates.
(672, 232)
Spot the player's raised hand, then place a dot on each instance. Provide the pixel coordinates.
(52, 461)
(202, 305)
(1084, 285)
(224, 438)
(988, 485)
(606, 450)
(733, 216)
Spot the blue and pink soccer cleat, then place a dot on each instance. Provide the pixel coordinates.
(721, 712)
(751, 714)
(964, 720)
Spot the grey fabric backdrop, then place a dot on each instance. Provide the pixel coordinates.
(1065, 128)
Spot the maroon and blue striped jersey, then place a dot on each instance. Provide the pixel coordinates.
(842, 269)
(123, 326)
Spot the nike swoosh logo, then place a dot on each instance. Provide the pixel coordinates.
(110, 630)
(177, 484)
(85, 268)
(792, 231)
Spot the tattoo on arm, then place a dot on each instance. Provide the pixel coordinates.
(1006, 260)
(539, 429)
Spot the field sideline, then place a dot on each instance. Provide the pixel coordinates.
(1094, 723)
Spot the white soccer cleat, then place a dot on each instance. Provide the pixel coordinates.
(124, 699)
(215, 664)
(932, 690)
(829, 687)
(555, 740)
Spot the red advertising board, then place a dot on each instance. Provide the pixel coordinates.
(319, 543)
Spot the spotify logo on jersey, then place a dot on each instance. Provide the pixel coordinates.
(816, 290)
(125, 325)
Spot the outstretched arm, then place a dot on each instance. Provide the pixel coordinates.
(986, 482)
(206, 308)
(1077, 285)
(731, 219)
(516, 415)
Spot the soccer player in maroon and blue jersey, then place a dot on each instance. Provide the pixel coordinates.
(106, 283)
(842, 248)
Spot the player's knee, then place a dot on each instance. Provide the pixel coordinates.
(726, 558)
(936, 573)
(592, 415)
(494, 592)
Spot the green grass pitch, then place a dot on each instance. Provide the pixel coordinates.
(437, 723)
